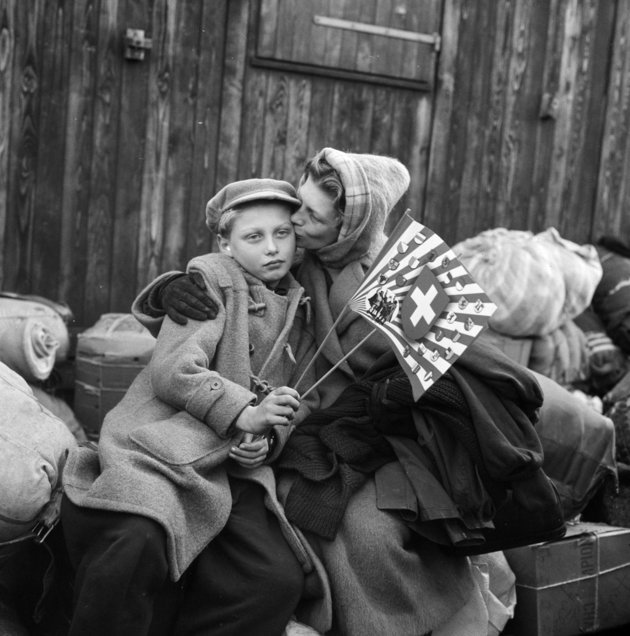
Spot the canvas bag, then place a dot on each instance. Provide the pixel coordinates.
(538, 282)
(33, 447)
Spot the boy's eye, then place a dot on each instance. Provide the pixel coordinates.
(252, 237)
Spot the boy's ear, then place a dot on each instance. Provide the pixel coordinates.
(224, 244)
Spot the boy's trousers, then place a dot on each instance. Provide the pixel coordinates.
(246, 581)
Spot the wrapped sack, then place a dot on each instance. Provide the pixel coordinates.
(562, 355)
(611, 300)
(538, 282)
(117, 336)
(578, 445)
(33, 336)
(33, 447)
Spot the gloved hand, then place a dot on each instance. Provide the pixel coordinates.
(186, 297)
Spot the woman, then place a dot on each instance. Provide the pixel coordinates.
(384, 579)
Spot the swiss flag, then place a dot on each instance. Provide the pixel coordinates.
(422, 305)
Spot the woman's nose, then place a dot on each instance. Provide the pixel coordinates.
(297, 217)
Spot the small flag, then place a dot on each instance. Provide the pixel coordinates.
(424, 300)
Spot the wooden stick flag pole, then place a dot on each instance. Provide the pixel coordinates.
(314, 386)
(319, 349)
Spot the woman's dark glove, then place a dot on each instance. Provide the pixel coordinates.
(186, 297)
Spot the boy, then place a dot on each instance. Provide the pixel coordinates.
(177, 490)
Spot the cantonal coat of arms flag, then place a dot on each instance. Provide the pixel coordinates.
(424, 300)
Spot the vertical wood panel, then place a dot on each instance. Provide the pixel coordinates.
(54, 30)
(232, 91)
(7, 43)
(206, 131)
(435, 212)
(296, 147)
(103, 165)
(612, 200)
(134, 14)
(157, 136)
(185, 60)
(25, 104)
(76, 182)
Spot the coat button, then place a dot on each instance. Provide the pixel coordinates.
(216, 385)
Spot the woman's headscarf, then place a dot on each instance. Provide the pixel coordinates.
(373, 184)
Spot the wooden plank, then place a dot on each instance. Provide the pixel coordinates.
(482, 211)
(7, 43)
(443, 105)
(612, 197)
(578, 222)
(22, 171)
(296, 146)
(230, 129)
(382, 116)
(524, 121)
(103, 164)
(545, 133)
(309, 39)
(332, 37)
(267, 28)
(79, 122)
(364, 51)
(482, 116)
(183, 93)
(319, 127)
(586, 188)
(349, 39)
(275, 126)
(566, 96)
(54, 30)
(134, 14)
(206, 132)
(154, 178)
(517, 115)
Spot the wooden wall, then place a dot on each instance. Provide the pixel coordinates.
(106, 163)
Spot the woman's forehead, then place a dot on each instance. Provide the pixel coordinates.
(316, 198)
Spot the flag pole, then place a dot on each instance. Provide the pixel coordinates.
(321, 346)
(314, 386)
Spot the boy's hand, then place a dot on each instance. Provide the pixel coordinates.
(186, 297)
(250, 454)
(276, 409)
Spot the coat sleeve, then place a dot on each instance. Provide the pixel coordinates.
(181, 372)
(145, 307)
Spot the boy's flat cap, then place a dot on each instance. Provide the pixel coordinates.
(247, 191)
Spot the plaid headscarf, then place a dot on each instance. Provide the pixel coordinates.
(373, 184)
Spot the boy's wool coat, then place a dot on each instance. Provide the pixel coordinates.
(163, 451)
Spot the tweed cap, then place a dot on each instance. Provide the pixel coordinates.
(247, 191)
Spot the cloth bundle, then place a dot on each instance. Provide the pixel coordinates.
(33, 447)
(33, 336)
(117, 336)
(538, 282)
(611, 301)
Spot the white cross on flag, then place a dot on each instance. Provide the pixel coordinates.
(424, 300)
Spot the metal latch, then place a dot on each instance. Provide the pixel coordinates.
(136, 44)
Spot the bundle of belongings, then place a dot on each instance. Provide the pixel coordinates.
(467, 453)
(37, 429)
(571, 304)
(493, 455)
